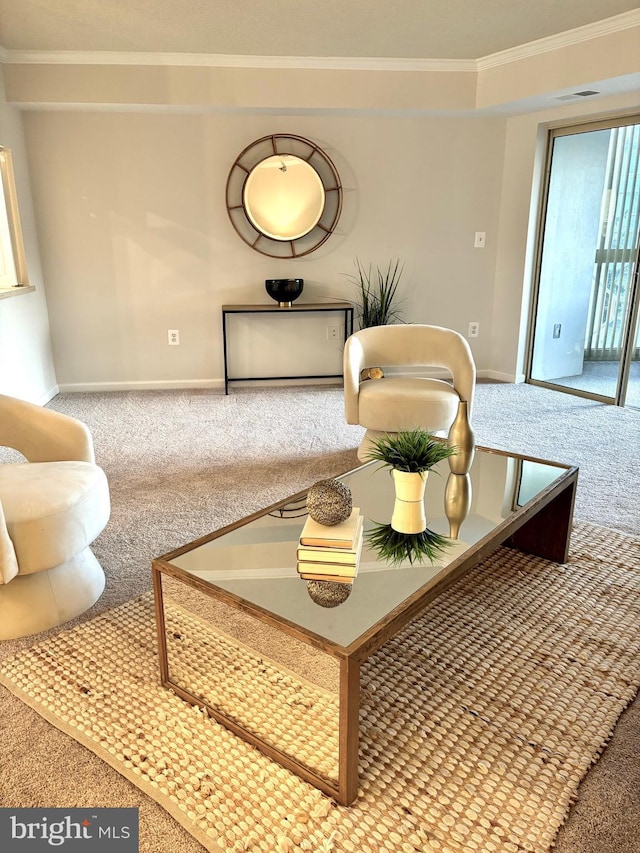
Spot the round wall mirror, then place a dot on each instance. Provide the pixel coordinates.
(284, 196)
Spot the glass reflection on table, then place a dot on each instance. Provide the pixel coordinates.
(257, 561)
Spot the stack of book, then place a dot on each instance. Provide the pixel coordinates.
(331, 553)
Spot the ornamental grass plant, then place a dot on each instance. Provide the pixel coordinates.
(377, 291)
(415, 450)
(395, 548)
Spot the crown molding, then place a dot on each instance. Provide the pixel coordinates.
(625, 21)
(617, 23)
(204, 60)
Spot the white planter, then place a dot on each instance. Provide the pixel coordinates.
(408, 509)
(409, 485)
(408, 516)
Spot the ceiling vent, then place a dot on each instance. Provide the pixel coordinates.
(586, 93)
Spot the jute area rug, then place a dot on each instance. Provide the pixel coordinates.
(478, 721)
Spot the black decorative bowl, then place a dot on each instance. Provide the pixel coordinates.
(284, 290)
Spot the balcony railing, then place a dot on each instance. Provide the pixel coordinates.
(617, 253)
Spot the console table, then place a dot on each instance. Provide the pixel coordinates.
(297, 308)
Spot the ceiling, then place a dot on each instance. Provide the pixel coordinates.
(428, 29)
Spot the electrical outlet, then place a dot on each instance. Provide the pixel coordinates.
(334, 333)
(557, 328)
(480, 240)
(474, 329)
(173, 337)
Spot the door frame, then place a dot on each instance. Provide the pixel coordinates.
(633, 315)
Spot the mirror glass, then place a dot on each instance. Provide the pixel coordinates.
(284, 197)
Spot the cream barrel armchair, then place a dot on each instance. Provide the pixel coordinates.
(52, 507)
(403, 401)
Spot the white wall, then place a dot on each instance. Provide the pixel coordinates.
(26, 364)
(129, 163)
(135, 237)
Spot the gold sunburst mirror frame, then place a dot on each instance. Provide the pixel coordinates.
(284, 196)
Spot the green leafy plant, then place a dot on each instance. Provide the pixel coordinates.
(396, 548)
(377, 289)
(414, 450)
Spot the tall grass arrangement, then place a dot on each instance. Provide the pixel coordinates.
(396, 548)
(377, 290)
(414, 450)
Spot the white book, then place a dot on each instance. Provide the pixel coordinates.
(343, 535)
(333, 556)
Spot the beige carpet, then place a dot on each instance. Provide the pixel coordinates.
(478, 721)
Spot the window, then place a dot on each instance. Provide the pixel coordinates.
(13, 270)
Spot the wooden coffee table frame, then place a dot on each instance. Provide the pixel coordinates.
(542, 527)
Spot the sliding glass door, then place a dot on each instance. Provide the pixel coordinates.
(586, 332)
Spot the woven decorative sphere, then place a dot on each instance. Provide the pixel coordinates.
(329, 502)
(328, 593)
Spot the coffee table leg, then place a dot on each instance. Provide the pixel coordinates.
(548, 533)
(349, 729)
(158, 598)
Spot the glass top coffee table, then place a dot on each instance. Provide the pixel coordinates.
(241, 636)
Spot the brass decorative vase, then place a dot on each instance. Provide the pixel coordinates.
(457, 501)
(408, 509)
(461, 436)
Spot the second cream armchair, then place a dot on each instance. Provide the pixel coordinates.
(53, 503)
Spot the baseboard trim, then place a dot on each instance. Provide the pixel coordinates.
(218, 384)
(182, 385)
(47, 396)
(498, 376)
(155, 385)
